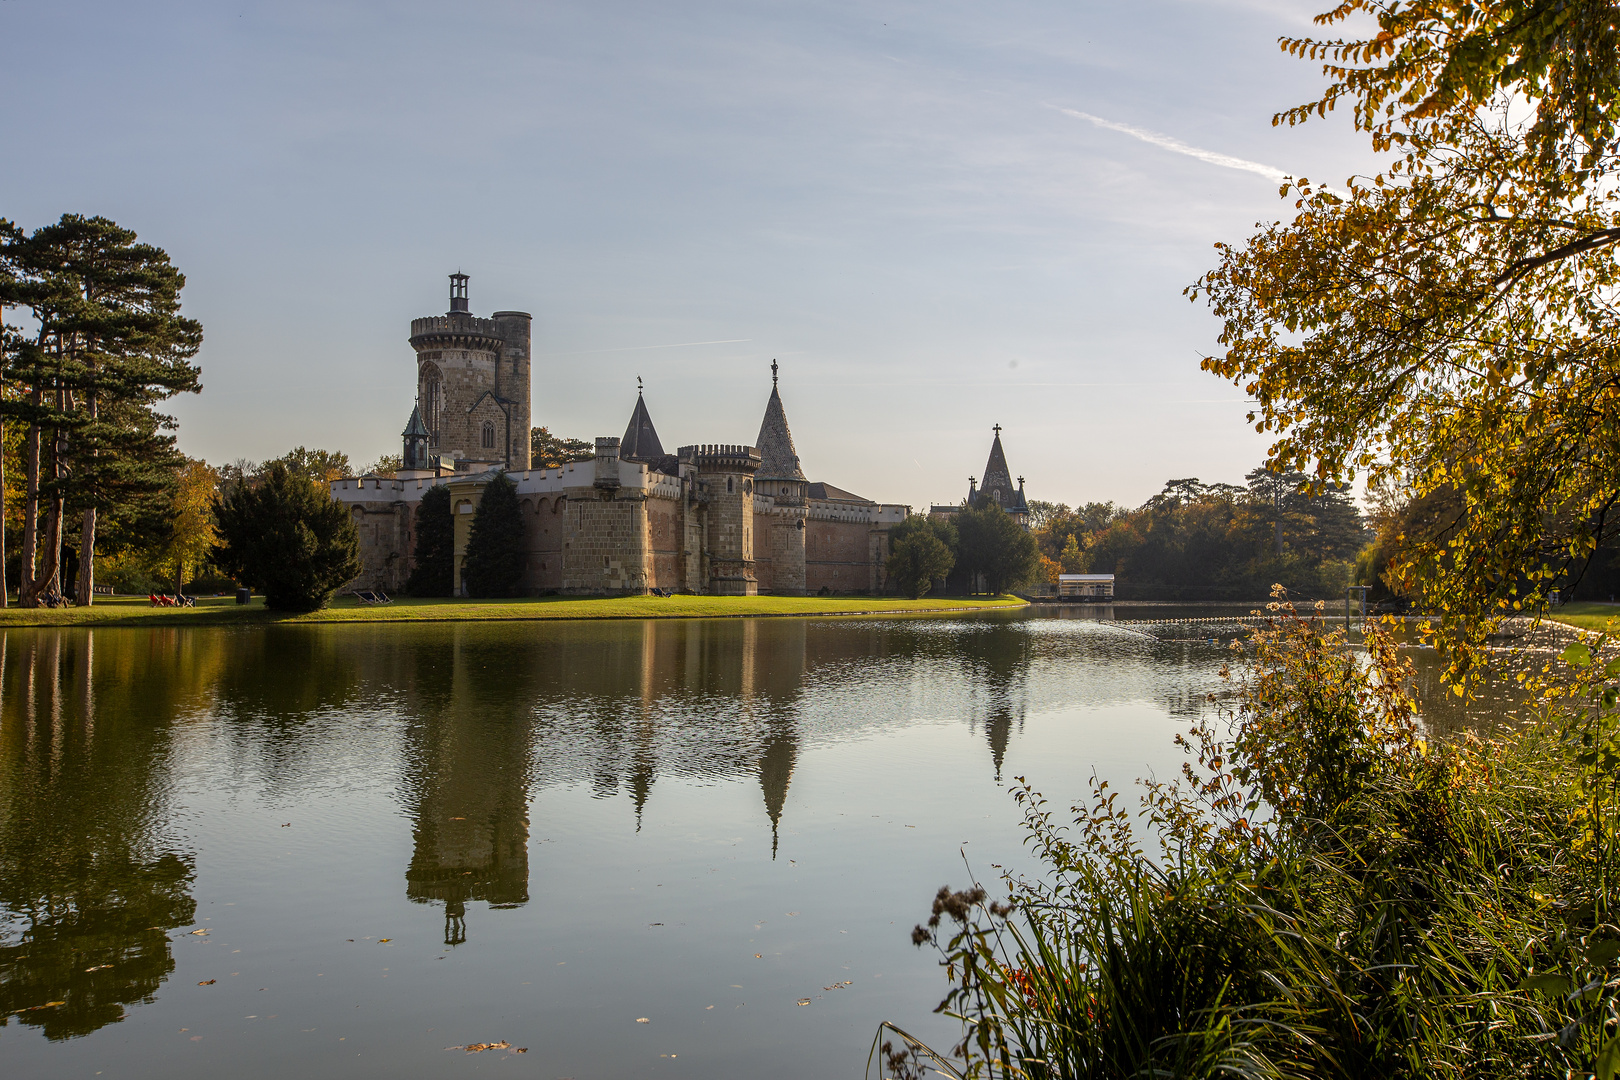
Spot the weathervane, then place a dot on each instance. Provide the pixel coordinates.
(638, 384)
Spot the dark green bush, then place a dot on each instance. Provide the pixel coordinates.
(434, 571)
(284, 535)
(995, 546)
(918, 556)
(494, 565)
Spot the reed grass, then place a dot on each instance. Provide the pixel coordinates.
(1323, 892)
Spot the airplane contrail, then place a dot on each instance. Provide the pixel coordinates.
(642, 348)
(1174, 145)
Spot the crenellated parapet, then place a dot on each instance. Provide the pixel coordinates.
(456, 332)
(720, 457)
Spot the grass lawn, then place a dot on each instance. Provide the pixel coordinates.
(1586, 614)
(224, 611)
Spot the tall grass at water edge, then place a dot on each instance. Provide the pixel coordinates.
(1321, 893)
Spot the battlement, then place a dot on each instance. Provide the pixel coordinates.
(455, 331)
(720, 457)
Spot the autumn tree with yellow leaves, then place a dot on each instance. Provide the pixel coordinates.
(1449, 324)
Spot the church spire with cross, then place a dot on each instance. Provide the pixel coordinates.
(997, 484)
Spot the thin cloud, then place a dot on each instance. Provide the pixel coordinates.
(642, 348)
(1177, 146)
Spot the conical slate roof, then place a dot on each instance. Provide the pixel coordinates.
(415, 427)
(997, 480)
(778, 460)
(640, 442)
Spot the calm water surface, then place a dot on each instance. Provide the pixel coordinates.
(399, 839)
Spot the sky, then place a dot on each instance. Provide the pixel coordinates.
(937, 217)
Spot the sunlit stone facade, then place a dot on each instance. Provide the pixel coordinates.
(722, 519)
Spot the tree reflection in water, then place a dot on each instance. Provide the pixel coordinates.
(465, 723)
(88, 884)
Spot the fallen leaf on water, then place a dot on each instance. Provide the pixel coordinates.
(757, 956)
(793, 913)
(802, 1001)
(837, 986)
(655, 924)
(208, 982)
(198, 933)
(458, 819)
(288, 825)
(98, 967)
(707, 1007)
(479, 1048)
(643, 1020)
(520, 1049)
(384, 940)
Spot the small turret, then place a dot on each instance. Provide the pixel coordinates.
(415, 455)
(458, 294)
(607, 464)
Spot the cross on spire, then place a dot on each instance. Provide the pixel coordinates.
(773, 374)
(997, 430)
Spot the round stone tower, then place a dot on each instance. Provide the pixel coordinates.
(472, 382)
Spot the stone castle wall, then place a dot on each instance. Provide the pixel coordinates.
(606, 549)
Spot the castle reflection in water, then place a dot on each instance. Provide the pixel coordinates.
(94, 870)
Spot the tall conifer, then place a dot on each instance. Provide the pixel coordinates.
(434, 572)
(494, 564)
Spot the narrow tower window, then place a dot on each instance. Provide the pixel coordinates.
(489, 435)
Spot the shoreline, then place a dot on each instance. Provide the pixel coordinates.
(225, 612)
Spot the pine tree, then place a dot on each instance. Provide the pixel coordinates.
(434, 570)
(494, 565)
(110, 344)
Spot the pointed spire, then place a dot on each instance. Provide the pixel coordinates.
(778, 460)
(997, 477)
(640, 442)
(414, 428)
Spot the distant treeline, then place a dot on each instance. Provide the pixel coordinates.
(1197, 541)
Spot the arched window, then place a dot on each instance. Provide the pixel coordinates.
(430, 391)
(730, 485)
(489, 435)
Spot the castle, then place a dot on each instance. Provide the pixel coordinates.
(717, 518)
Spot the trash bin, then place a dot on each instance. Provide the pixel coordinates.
(243, 595)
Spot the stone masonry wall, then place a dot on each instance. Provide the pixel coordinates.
(545, 531)
(466, 374)
(606, 550)
(838, 556)
(664, 542)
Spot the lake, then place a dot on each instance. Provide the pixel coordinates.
(636, 849)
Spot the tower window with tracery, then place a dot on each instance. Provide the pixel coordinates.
(431, 392)
(489, 435)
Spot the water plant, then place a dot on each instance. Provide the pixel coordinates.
(1322, 892)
